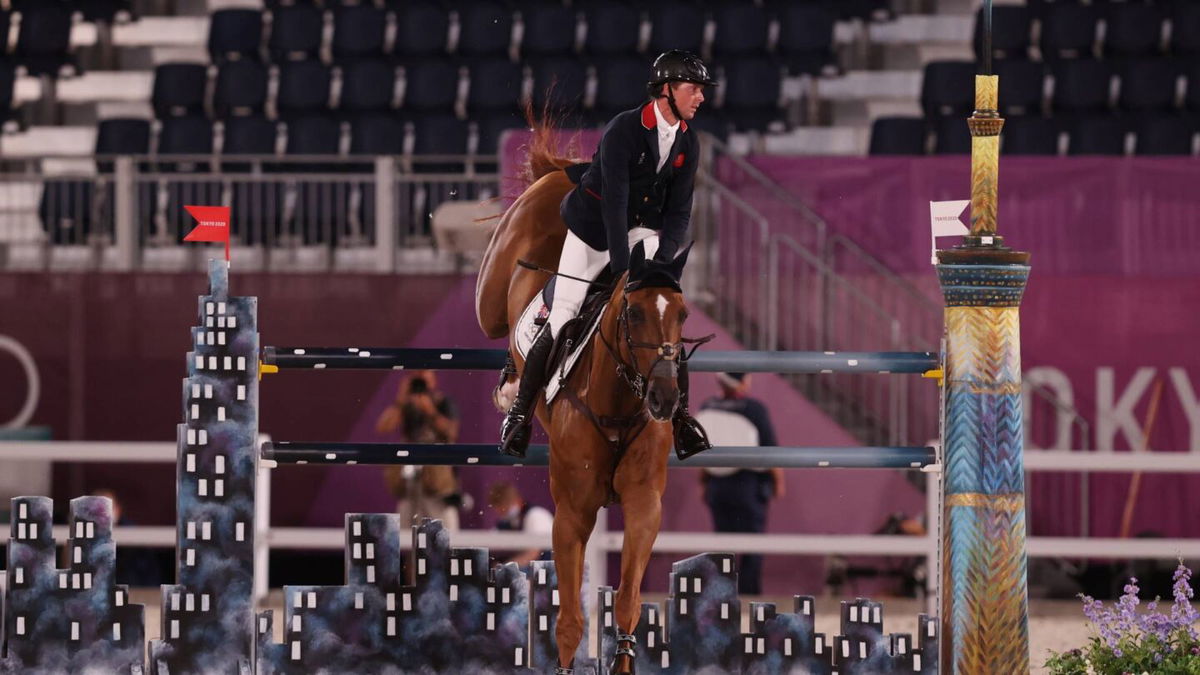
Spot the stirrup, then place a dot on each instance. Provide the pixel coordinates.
(698, 441)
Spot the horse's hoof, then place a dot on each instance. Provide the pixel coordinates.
(622, 665)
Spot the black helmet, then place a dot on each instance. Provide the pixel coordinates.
(676, 65)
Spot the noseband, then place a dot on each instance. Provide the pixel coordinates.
(666, 354)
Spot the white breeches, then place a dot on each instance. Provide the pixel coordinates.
(580, 260)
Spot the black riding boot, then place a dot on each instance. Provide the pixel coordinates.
(515, 430)
(690, 437)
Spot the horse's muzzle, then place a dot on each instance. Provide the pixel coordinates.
(662, 395)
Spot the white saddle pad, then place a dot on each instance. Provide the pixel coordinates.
(527, 328)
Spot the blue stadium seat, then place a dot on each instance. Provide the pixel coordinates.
(368, 87)
(179, 89)
(240, 90)
(495, 84)
(248, 136)
(485, 28)
(439, 135)
(863, 10)
(1068, 31)
(549, 28)
(1133, 30)
(422, 28)
(898, 136)
(430, 84)
(1165, 135)
(620, 83)
(296, 33)
(948, 88)
(951, 136)
(1082, 87)
(44, 40)
(121, 136)
(235, 34)
(358, 33)
(1011, 32)
(303, 89)
(377, 135)
(186, 136)
(1148, 86)
(489, 128)
(742, 28)
(1022, 87)
(559, 83)
(1185, 29)
(105, 11)
(256, 206)
(753, 92)
(1096, 136)
(1029, 135)
(320, 207)
(806, 38)
(676, 24)
(313, 135)
(612, 27)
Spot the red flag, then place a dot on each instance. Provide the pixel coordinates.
(212, 225)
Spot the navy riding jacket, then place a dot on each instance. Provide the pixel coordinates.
(621, 189)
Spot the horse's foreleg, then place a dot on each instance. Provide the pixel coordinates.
(572, 528)
(643, 515)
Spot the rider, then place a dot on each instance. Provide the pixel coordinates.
(638, 188)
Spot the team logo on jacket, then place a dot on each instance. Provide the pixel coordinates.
(678, 160)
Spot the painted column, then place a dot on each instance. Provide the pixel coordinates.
(984, 603)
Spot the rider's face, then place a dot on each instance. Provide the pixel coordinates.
(688, 97)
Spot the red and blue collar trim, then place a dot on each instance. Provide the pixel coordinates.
(649, 121)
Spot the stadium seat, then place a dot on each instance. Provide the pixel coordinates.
(1191, 99)
(1165, 135)
(313, 135)
(377, 135)
(358, 33)
(121, 136)
(240, 90)
(862, 10)
(1068, 31)
(179, 89)
(422, 28)
(186, 136)
(256, 206)
(66, 211)
(430, 84)
(620, 83)
(1029, 135)
(1148, 86)
(8, 78)
(235, 34)
(106, 11)
(806, 38)
(742, 27)
(676, 24)
(439, 135)
(368, 87)
(320, 207)
(485, 28)
(1185, 29)
(296, 33)
(1022, 87)
(489, 129)
(752, 95)
(248, 136)
(1133, 30)
(613, 27)
(1082, 87)
(951, 136)
(948, 88)
(1096, 136)
(549, 28)
(898, 136)
(303, 89)
(559, 81)
(495, 84)
(44, 40)
(1011, 32)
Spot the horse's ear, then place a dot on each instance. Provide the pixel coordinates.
(637, 260)
(681, 260)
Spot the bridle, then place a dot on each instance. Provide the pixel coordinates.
(666, 354)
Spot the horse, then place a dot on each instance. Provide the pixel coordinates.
(610, 425)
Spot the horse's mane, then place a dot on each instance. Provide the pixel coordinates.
(543, 152)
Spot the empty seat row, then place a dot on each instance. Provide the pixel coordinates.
(1074, 30)
(1084, 86)
(43, 39)
(91, 10)
(751, 92)
(1105, 135)
(480, 28)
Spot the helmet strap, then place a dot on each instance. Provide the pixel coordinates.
(671, 102)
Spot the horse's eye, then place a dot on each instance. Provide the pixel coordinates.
(683, 315)
(636, 315)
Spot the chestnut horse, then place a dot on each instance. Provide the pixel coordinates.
(610, 426)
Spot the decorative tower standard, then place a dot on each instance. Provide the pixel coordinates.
(984, 588)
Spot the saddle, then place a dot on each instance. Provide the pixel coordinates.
(570, 338)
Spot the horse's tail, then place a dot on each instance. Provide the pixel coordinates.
(544, 157)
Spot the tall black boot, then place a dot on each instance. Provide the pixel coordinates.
(690, 437)
(515, 430)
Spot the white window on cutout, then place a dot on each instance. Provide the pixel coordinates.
(208, 307)
(199, 363)
(491, 621)
(666, 660)
(391, 602)
(220, 322)
(683, 606)
(543, 623)
(228, 362)
(421, 566)
(518, 656)
(787, 646)
(204, 602)
(454, 567)
(191, 557)
(208, 391)
(312, 599)
(203, 437)
(406, 602)
(191, 436)
(220, 464)
(916, 663)
(33, 530)
(696, 585)
(931, 629)
(467, 567)
(174, 629)
(23, 510)
(506, 595)
(453, 592)
(19, 575)
(878, 616)
(845, 649)
(421, 540)
(806, 607)
(87, 580)
(683, 584)
(220, 308)
(221, 338)
(391, 626)
(262, 624)
(818, 645)
(219, 487)
(195, 391)
(370, 574)
(63, 580)
(726, 566)
(862, 650)
(91, 530)
(901, 645)
(212, 363)
(541, 577)
(748, 647)
(116, 632)
(76, 581)
(650, 639)
(358, 601)
(370, 551)
(651, 616)
(119, 599)
(221, 413)
(74, 630)
(22, 531)
(189, 603)
(241, 363)
(211, 338)
(20, 625)
(762, 613)
(195, 411)
(191, 529)
(724, 610)
(206, 530)
(175, 598)
(191, 463)
(554, 597)
(239, 532)
(295, 650)
(200, 338)
(356, 551)
(78, 554)
(79, 529)
(853, 614)
(241, 392)
(202, 487)
(298, 600)
(231, 322)
(356, 527)
(296, 623)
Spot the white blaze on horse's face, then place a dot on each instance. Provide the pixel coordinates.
(662, 303)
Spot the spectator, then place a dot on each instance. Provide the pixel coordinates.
(422, 414)
(738, 498)
(517, 515)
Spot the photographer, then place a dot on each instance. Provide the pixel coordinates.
(422, 414)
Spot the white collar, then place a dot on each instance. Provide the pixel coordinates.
(663, 128)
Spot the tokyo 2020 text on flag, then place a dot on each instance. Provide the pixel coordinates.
(212, 225)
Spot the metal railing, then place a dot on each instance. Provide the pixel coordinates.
(113, 213)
